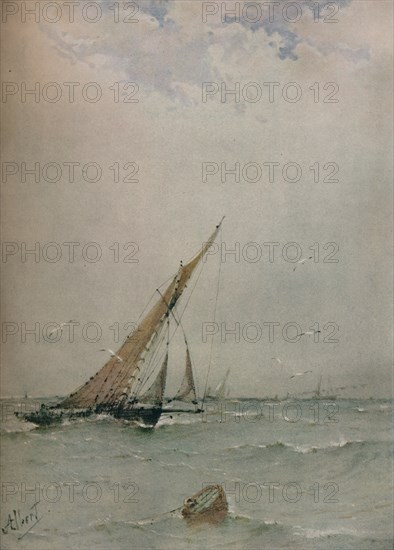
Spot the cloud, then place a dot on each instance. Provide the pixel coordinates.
(171, 51)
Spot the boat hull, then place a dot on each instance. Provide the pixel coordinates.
(141, 415)
(144, 416)
(207, 506)
(49, 417)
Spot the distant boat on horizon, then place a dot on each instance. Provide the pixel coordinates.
(222, 390)
(323, 394)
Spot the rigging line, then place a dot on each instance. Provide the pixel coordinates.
(124, 370)
(214, 319)
(112, 359)
(147, 370)
(187, 302)
(122, 374)
(152, 363)
(195, 284)
(195, 382)
(150, 368)
(152, 360)
(168, 307)
(184, 309)
(181, 315)
(179, 322)
(125, 359)
(205, 242)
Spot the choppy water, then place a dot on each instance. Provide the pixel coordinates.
(290, 483)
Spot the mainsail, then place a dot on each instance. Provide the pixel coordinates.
(114, 381)
(187, 390)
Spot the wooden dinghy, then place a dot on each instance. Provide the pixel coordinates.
(208, 505)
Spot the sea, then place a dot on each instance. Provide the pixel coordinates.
(298, 474)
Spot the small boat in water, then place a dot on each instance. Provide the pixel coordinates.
(208, 505)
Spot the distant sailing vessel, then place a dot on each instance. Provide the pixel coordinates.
(221, 391)
(131, 384)
(319, 394)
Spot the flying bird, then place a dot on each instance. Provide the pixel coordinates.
(277, 363)
(60, 327)
(277, 360)
(302, 261)
(112, 354)
(299, 374)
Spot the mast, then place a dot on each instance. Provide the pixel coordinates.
(319, 386)
(115, 380)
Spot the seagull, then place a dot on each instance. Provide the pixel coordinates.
(60, 327)
(277, 360)
(113, 354)
(278, 363)
(299, 374)
(302, 261)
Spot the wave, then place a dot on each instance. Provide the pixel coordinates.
(176, 465)
(309, 533)
(302, 449)
(17, 426)
(182, 419)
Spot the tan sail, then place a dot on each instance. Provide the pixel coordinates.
(187, 390)
(113, 381)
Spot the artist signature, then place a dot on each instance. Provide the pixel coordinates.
(19, 523)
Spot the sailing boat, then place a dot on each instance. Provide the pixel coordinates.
(221, 391)
(131, 384)
(319, 394)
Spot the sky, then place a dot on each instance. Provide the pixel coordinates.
(139, 182)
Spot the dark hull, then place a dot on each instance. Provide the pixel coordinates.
(49, 417)
(190, 411)
(145, 416)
